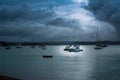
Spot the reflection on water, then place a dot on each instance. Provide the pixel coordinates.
(27, 63)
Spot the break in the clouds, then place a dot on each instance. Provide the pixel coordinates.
(54, 20)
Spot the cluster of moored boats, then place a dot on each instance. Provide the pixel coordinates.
(73, 48)
(68, 48)
(7, 47)
(76, 47)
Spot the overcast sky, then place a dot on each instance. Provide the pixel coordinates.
(59, 20)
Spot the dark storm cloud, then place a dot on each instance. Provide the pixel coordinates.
(107, 10)
(49, 20)
(22, 22)
(59, 22)
(41, 2)
(12, 12)
(24, 12)
(25, 22)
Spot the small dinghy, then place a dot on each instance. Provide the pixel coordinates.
(7, 48)
(47, 56)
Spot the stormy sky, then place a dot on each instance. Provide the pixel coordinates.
(59, 20)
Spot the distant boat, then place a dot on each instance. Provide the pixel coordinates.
(98, 47)
(40, 46)
(99, 43)
(8, 47)
(103, 44)
(67, 48)
(47, 56)
(19, 46)
(44, 47)
(32, 46)
(73, 48)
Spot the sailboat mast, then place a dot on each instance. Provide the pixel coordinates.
(97, 35)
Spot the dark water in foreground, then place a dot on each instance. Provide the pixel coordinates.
(27, 63)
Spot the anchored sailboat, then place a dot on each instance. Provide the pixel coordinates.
(99, 43)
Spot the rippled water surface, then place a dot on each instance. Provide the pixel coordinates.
(27, 63)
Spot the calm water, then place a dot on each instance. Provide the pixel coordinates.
(27, 63)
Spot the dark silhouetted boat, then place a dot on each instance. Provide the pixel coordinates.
(67, 48)
(75, 48)
(44, 47)
(33, 46)
(19, 46)
(8, 47)
(47, 56)
(98, 47)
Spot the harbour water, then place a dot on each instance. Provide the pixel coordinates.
(28, 64)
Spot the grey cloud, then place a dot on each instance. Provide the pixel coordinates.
(24, 12)
(21, 31)
(12, 12)
(61, 22)
(39, 32)
(40, 23)
(24, 22)
(107, 10)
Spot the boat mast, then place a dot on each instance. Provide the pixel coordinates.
(97, 35)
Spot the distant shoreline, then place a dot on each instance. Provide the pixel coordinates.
(2, 43)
